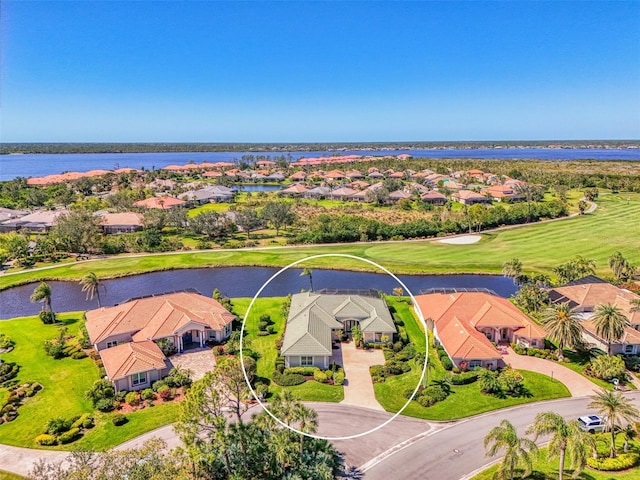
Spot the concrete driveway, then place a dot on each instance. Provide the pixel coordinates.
(578, 385)
(358, 386)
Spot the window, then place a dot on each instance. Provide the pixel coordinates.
(628, 349)
(306, 361)
(378, 337)
(112, 344)
(139, 378)
(474, 364)
(534, 343)
(212, 334)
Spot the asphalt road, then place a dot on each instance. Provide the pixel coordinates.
(456, 450)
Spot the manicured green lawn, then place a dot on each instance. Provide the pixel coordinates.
(464, 400)
(105, 435)
(267, 351)
(545, 469)
(64, 382)
(10, 476)
(540, 247)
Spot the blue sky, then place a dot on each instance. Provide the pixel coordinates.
(319, 71)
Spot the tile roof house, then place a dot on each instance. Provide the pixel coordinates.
(163, 203)
(434, 198)
(314, 319)
(585, 294)
(468, 197)
(343, 193)
(466, 323)
(184, 319)
(135, 365)
(211, 194)
(500, 192)
(38, 221)
(295, 190)
(125, 222)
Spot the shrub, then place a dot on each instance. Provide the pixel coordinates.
(119, 419)
(263, 333)
(489, 382)
(510, 380)
(47, 317)
(435, 391)
(46, 440)
(395, 367)
(407, 353)
(306, 371)
(54, 349)
(57, 425)
(70, 436)
(121, 395)
(338, 378)
(132, 398)
(5, 341)
(377, 370)
(100, 390)
(165, 392)
(180, 377)
(262, 326)
(157, 385)
(271, 329)
(447, 364)
(329, 374)
(8, 371)
(408, 393)
(320, 376)
(426, 400)
(606, 367)
(82, 420)
(79, 355)
(105, 405)
(622, 462)
(288, 379)
(147, 394)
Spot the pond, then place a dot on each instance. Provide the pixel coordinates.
(234, 282)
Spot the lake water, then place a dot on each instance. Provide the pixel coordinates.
(234, 282)
(37, 165)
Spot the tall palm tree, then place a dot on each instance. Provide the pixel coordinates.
(567, 440)
(91, 285)
(517, 450)
(562, 326)
(307, 271)
(609, 322)
(42, 293)
(615, 408)
(512, 269)
(307, 421)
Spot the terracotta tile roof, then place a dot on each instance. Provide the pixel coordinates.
(298, 189)
(124, 218)
(156, 317)
(468, 195)
(159, 202)
(460, 316)
(300, 175)
(133, 357)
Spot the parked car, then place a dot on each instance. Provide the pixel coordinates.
(591, 423)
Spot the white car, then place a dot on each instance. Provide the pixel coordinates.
(591, 423)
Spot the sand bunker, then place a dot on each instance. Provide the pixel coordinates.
(463, 240)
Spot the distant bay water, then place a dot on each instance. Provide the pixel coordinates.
(37, 165)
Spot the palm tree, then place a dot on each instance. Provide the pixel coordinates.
(562, 326)
(567, 439)
(619, 265)
(615, 408)
(512, 269)
(91, 284)
(42, 293)
(610, 323)
(516, 449)
(630, 432)
(307, 421)
(307, 271)
(635, 305)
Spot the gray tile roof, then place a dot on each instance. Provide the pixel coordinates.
(312, 316)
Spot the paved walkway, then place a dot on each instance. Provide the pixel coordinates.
(20, 460)
(578, 385)
(358, 386)
(198, 360)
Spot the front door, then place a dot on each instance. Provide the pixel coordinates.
(504, 334)
(187, 338)
(348, 325)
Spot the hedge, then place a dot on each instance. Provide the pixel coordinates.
(320, 376)
(70, 436)
(622, 462)
(46, 440)
(306, 371)
(287, 379)
(464, 378)
(338, 378)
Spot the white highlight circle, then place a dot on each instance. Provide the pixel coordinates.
(420, 316)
